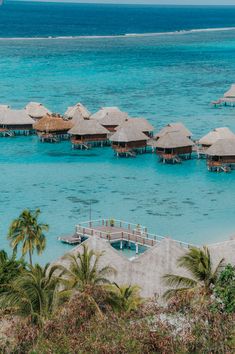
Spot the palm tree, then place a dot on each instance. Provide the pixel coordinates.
(27, 230)
(203, 276)
(84, 270)
(83, 274)
(124, 298)
(34, 293)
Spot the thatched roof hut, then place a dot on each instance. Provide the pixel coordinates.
(139, 123)
(127, 139)
(174, 127)
(52, 123)
(77, 112)
(221, 154)
(88, 131)
(216, 134)
(173, 144)
(15, 119)
(36, 110)
(110, 117)
(222, 148)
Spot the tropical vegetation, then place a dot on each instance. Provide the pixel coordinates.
(202, 275)
(74, 307)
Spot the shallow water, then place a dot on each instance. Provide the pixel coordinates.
(167, 78)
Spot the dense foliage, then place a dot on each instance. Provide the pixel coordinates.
(224, 290)
(10, 268)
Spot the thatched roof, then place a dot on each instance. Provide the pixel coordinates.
(36, 110)
(76, 112)
(216, 134)
(231, 92)
(174, 127)
(139, 123)
(88, 127)
(174, 139)
(4, 107)
(15, 117)
(222, 147)
(128, 134)
(109, 116)
(53, 123)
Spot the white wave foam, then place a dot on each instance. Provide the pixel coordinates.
(127, 35)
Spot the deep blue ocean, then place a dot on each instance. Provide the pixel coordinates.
(171, 75)
(32, 19)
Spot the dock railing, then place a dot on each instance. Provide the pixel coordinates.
(122, 230)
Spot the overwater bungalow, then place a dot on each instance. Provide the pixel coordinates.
(128, 140)
(228, 99)
(221, 155)
(139, 123)
(77, 112)
(36, 110)
(174, 146)
(15, 122)
(174, 127)
(110, 117)
(52, 128)
(214, 135)
(88, 132)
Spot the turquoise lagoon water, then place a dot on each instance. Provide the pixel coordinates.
(163, 78)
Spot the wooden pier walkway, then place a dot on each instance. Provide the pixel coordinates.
(114, 231)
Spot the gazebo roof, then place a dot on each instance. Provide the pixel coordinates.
(216, 134)
(174, 139)
(231, 92)
(88, 127)
(76, 112)
(52, 123)
(15, 117)
(128, 134)
(222, 147)
(36, 110)
(108, 116)
(172, 127)
(140, 123)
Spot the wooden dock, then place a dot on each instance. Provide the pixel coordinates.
(115, 231)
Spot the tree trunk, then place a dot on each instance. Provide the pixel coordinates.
(30, 258)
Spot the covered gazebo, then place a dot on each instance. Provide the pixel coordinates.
(78, 111)
(128, 140)
(52, 128)
(138, 123)
(221, 155)
(15, 121)
(87, 132)
(214, 135)
(36, 110)
(110, 117)
(173, 146)
(174, 127)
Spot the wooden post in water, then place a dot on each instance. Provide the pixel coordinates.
(136, 248)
